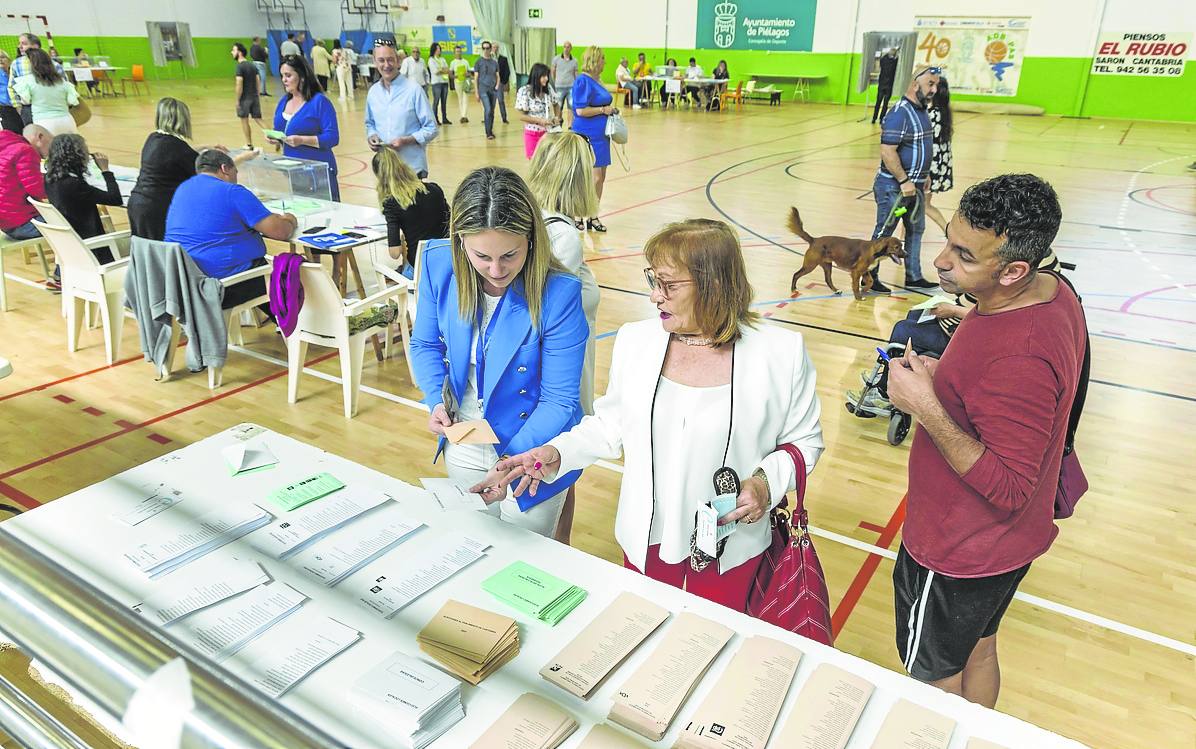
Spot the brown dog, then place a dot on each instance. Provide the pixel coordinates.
(853, 255)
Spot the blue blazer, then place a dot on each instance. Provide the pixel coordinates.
(316, 117)
(533, 375)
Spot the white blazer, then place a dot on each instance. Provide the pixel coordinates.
(775, 404)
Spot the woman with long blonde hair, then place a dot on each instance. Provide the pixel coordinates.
(414, 210)
(500, 335)
(561, 180)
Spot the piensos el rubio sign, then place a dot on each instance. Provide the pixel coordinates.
(1126, 53)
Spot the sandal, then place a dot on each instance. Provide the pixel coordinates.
(595, 224)
(580, 224)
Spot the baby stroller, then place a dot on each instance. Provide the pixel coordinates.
(873, 401)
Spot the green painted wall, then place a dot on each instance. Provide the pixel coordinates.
(125, 51)
(1054, 83)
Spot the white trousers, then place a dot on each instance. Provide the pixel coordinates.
(344, 79)
(462, 102)
(469, 464)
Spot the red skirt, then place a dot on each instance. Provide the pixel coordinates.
(730, 589)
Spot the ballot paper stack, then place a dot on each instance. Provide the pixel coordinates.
(337, 556)
(470, 642)
(420, 701)
(534, 592)
(220, 630)
(206, 533)
(531, 722)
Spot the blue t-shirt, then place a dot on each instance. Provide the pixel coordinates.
(213, 220)
(588, 92)
(907, 126)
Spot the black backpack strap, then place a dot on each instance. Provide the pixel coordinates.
(1077, 405)
(557, 220)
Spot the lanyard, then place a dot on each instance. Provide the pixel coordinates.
(483, 347)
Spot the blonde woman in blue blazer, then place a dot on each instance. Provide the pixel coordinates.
(500, 326)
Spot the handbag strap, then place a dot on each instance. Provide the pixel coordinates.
(799, 469)
(1077, 404)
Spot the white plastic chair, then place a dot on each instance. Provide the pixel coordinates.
(388, 277)
(232, 322)
(84, 279)
(324, 321)
(23, 245)
(117, 241)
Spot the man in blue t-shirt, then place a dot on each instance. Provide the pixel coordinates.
(221, 224)
(906, 142)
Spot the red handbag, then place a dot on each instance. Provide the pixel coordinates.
(790, 588)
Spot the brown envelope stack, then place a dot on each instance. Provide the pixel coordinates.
(650, 699)
(602, 736)
(910, 725)
(741, 710)
(531, 722)
(471, 642)
(826, 710)
(603, 644)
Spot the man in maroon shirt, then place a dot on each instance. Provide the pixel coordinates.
(993, 416)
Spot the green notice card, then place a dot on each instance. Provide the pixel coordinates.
(309, 489)
(534, 592)
(275, 134)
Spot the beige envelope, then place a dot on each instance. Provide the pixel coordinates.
(475, 432)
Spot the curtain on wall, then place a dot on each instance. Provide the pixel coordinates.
(875, 41)
(533, 45)
(496, 20)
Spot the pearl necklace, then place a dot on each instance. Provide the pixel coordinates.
(695, 341)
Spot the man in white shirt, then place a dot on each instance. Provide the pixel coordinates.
(624, 79)
(696, 92)
(398, 113)
(415, 70)
(289, 47)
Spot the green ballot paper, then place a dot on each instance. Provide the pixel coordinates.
(309, 489)
(534, 592)
(274, 134)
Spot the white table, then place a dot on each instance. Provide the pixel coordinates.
(78, 532)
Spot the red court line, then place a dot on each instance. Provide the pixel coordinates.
(75, 376)
(858, 585)
(18, 496)
(871, 527)
(155, 420)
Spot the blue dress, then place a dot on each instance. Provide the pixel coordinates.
(316, 117)
(588, 92)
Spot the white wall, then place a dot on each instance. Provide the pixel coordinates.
(128, 17)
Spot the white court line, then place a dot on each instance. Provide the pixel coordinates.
(1074, 613)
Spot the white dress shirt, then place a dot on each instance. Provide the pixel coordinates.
(775, 403)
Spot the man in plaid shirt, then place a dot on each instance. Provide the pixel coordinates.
(20, 68)
(906, 141)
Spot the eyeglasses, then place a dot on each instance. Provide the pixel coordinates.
(485, 47)
(931, 71)
(384, 42)
(665, 287)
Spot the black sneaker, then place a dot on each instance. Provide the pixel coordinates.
(464, 120)
(880, 288)
(921, 283)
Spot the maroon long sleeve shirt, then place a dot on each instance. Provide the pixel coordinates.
(1008, 380)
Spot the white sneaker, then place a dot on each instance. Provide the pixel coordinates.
(872, 401)
(636, 106)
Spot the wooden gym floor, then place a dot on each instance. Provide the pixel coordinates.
(1104, 654)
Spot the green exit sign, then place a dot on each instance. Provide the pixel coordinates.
(533, 12)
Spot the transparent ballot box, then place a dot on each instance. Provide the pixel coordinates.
(275, 177)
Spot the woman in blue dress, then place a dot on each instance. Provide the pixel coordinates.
(591, 106)
(307, 117)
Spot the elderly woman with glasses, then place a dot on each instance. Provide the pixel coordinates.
(703, 388)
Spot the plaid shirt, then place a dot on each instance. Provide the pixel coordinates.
(19, 69)
(907, 126)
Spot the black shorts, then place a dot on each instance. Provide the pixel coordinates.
(249, 108)
(940, 619)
